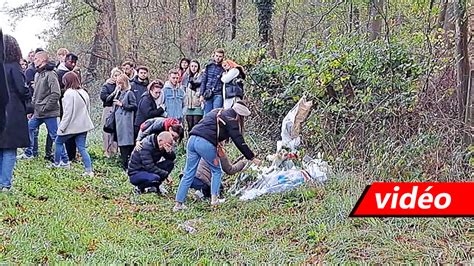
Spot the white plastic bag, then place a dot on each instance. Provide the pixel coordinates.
(291, 125)
(274, 182)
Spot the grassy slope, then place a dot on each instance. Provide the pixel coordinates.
(58, 215)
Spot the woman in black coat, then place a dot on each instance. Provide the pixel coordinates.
(16, 133)
(150, 104)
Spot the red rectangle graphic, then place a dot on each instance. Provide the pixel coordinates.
(416, 199)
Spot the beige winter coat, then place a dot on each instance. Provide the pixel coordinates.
(76, 113)
(204, 171)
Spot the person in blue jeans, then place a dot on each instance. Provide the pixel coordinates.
(45, 101)
(76, 121)
(15, 132)
(211, 84)
(215, 127)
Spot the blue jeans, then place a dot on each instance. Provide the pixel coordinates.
(198, 148)
(51, 125)
(34, 150)
(217, 101)
(80, 140)
(7, 163)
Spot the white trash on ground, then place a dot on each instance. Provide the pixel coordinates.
(286, 171)
(314, 171)
(291, 125)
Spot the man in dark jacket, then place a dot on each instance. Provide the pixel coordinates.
(211, 84)
(140, 82)
(30, 80)
(45, 101)
(68, 65)
(145, 169)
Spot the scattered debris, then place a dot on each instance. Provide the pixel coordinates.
(190, 226)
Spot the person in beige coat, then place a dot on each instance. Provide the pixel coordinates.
(202, 181)
(76, 121)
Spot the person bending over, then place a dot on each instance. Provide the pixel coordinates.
(202, 181)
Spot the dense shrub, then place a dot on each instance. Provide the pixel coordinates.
(366, 104)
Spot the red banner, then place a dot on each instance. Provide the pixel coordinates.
(416, 199)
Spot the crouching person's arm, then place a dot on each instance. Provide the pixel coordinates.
(230, 168)
(149, 164)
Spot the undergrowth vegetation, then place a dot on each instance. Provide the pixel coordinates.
(372, 111)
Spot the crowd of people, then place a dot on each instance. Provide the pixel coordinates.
(143, 120)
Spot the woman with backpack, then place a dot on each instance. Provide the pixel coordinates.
(233, 80)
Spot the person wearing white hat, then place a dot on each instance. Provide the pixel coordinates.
(205, 137)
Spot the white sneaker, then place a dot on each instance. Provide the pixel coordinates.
(5, 189)
(90, 174)
(198, 195)
(60, 165)
(217, 201)
(178, 208)
(163, 190)
(24, 156)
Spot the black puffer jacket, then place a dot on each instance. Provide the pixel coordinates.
(207, 129)
(148, 157)
(147, 109)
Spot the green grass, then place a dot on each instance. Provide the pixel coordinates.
(56, 216)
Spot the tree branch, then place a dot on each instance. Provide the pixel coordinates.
(94, 5)
(317, 23)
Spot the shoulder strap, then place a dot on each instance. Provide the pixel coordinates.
(219, 120)
(84, 100)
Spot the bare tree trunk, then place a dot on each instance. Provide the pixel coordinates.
(180, 46)
(233, 20)
(96, 49)
(264, 15)
(449, 24)
(462, 56)
(192, 29)
(356, 18)
(113, 28)
(284, 27)
(133, 48)
(376, 9)
(469, 119)
(220, 18)
(442, 14)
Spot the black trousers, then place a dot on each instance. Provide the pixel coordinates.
(192, 120)
(48, 147)
(145, 180)
(71, 149)
(125, 152)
